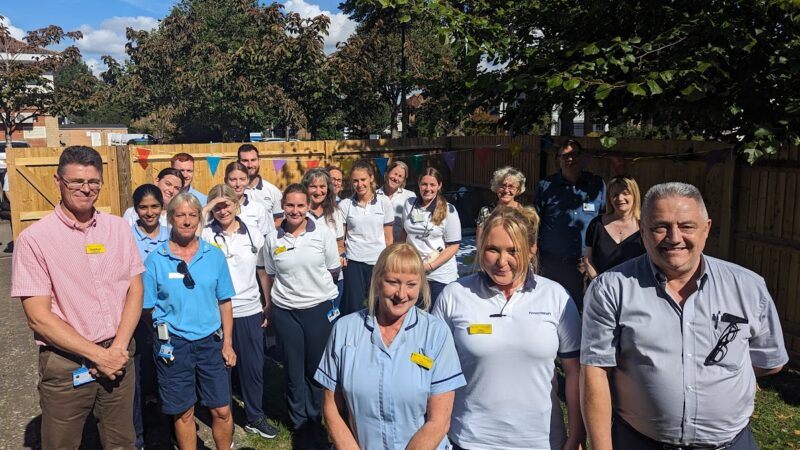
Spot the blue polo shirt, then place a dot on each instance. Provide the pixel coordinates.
(145, 243)
(190, 313)
(386, 393)
(565, 211)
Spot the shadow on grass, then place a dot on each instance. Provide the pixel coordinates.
(786, 384)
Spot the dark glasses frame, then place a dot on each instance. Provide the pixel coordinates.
(183, 269)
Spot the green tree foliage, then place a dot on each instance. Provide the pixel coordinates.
(26, 86)
(218, 69)
(717, 70)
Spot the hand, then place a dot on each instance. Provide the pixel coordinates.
(265, 323)
(573, 444)
(582, 266)
(229, 356)
(343, 261)
(110, 362)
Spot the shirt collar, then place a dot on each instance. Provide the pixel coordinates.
(163, 233)
(374, 200)
(528, 285)
(661, 278)
(217, 228)
(246, 199)
(203, 248)
(431, 208)
(562, 180)
(71, 223)
(310, 226)
(260, 184)
(409, 321)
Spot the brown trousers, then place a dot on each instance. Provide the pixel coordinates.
(65, 407)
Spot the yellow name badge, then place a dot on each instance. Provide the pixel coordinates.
(93, 249)
(421, 360)
(480, 328)
(216, 245)
(280, 249)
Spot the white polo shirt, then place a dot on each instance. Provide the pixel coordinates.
(131, 217)
(429, 238)
(398, 200)
(510, 400)
(364, 239)
(301, 266)
(337, 228)
(269, 195)
(255, 215)
(241, 251)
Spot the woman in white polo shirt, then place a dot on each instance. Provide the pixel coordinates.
(368, 220)
(252, 212)
(241, 247)
(509, 325)
(394, 188)
(432, 226)
(302, 263)
(170, 183)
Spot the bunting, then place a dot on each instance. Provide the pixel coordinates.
(312, 163)
(515, 149)
(449, 159)
(416, 164)
(144, 154)
(482, 154)
(381, 163)
(278, 165)
(213, 164)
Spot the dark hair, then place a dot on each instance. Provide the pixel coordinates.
(440, 212)
(143, 191)
(246, 148)
(182, 157)
(576, 146)
(171, 171)
(329, 203)
(82, 156)
(236, 165)
(329, 168)
(292, 189)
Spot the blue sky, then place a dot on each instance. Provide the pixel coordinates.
(103, 22)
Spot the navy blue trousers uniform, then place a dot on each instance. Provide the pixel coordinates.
(248, 343)
(303, 334)
(357, 276)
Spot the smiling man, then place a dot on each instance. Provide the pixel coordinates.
(78, 274)
(681, 335)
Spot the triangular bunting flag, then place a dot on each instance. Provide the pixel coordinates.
(515, 149)
(416, 164)
(278, 164)
(617, 165)
(312, 163)
(346, 164)
(449, 159)
(382, 163)
(213, 164)
(482, 154)
(144, 154)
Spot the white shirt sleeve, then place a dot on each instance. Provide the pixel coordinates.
(452, 226)
(388, 210)
(331, 252)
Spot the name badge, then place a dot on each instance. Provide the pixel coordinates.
(93, 249)
(216, 245)
(588, 207)
(81, 376)
(175, 276)
(418, 216)
(422, 360)
(280, 250)
(333, 314)
(480, 328)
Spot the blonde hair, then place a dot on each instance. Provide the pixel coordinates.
(522, 226)
(626, 183)
(500, 175)
(225, 191)
(178, 200)
(398, 258)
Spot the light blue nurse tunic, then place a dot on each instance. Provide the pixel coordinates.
(386, 393)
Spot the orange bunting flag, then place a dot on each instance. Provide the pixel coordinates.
(144, 154)
(312, 163)
(482, 154)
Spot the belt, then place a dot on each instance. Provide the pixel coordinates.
(71, 356)
(665, 446)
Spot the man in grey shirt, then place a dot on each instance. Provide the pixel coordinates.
(674, 339)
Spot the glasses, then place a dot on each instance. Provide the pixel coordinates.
(509, 187)
(728, 335)
(183, 269)
(568, 156)
(77, 185)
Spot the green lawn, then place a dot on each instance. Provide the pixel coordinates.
(776, 421)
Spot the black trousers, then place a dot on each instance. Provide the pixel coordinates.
(248, 343)
(357, 276)
(625, 437)
(303, 334)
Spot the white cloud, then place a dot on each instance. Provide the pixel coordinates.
(341, 26)
(109, 39)
(16, 33)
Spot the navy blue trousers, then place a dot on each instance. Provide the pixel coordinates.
(624, 437)
(303, 334)
(357, 276)
(248, 343)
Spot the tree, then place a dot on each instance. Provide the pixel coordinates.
(26, 68)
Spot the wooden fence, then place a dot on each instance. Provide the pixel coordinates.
(754, 209)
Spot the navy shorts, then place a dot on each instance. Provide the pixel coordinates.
(198, 366)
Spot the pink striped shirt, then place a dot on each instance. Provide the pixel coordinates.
(86, 272)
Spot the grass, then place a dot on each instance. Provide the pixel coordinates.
(776, 419)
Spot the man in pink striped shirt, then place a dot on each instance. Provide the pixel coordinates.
(78, 274)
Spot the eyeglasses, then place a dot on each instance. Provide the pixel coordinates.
(568, 156)
(509, 187)
(728, 335)
(77, 185)
(183, 269)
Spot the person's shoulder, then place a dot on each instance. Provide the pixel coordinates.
(732, 271)
(596, 221)
(351, 323)
(451, 208)
(113, 220)
(637, 268)
(546, 286)
(409, 193)
(211, 250)
(432, 322)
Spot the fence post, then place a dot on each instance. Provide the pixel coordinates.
(123, 165)
(726, 221)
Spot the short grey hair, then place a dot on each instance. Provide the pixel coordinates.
(502, 173)
(672, 189)
(180, 199)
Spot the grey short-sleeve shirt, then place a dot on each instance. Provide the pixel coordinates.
(661, 385)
